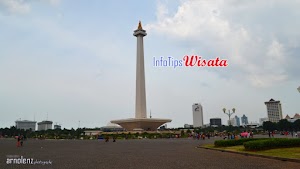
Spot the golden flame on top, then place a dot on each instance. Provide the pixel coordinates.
(140, 26)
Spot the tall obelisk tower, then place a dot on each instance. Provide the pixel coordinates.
(140, 97)
(140, 122)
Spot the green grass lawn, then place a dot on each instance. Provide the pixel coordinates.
(293, 152)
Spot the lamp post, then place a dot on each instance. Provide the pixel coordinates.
(229, 114)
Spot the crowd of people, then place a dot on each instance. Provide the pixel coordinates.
(244, 134)
(224, 135)
(285, 133)
(200, 136)
(107, 139)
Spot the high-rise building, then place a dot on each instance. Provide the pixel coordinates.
(26, 125)
(231, 122)
(234, 121)
(237, 121)
(244, 120)
(274, 110)
(44, 125)
(215, 122)
(197, 115)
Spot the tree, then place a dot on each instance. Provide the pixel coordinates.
(284, 125)
(182, 133)
(269, 126)
(296, 125)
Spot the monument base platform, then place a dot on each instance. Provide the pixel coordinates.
(147, 124)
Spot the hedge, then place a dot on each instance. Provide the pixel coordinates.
(272, 143)
(229, 143)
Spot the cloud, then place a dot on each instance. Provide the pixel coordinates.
(54, 2)
(22, 6)
(14, 6)
(255, 37)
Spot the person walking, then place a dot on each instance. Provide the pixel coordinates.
(106, 139)
(21, 140)
(18, 141)
(286, 133)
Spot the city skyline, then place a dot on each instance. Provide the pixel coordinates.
(76, 61)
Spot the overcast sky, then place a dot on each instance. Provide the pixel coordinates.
(75, 60)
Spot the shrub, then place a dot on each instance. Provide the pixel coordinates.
(271, 143)
(229, 143)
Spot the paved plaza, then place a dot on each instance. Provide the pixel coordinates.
(139, 154)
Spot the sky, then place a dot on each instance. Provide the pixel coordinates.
(74, 62)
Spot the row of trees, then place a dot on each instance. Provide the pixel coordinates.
(55, 133)
(282, 125)
(76, 134)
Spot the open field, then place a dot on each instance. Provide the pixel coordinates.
(143, 153)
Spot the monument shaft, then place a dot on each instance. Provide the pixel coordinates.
(140, 99)
(140, 122)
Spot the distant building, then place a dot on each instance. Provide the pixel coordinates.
(287, 117)
(231, 122)
(26, 125)
(56, 126)
(253, 125)
(237, 121)
(92, 132)
(45, 125)
(188, 126)
(293, 119)
(274, 110)
(110, 127)
(197, 115)
(215, 122)
(262, 120)
(206, 125)
(297, 116)
(244, 120)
